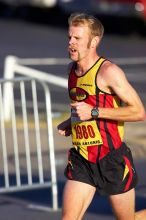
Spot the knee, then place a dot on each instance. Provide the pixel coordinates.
(67, 216)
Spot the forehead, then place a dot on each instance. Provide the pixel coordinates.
(78, 30)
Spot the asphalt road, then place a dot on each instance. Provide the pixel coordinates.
(34, 204)
(31, 40)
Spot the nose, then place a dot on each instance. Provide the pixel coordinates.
(71, 40)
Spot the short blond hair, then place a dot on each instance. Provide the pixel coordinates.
(95, 26)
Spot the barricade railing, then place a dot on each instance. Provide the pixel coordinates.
(27, 158)
(15, 65)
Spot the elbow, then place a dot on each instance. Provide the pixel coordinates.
(139, 114)
(142, 115)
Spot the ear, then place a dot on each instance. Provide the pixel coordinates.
(95, 42)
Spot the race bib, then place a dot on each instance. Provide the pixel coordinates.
(85, 134)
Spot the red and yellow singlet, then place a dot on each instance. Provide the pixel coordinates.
(93, 139)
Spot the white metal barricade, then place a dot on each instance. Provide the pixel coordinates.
(27, 157)
(17, 65)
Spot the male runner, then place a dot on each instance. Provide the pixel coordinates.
(99, 159)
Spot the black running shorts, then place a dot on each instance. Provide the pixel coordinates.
(114, 174)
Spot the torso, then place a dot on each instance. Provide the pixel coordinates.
(90, 136)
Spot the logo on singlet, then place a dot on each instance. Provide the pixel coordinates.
(78, 94)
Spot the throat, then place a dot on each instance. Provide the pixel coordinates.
(79, 72)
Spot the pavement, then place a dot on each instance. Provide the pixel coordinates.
(34, 204)
(135, 137)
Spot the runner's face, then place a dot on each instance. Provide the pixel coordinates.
(79, 42)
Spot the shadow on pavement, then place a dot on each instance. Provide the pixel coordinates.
(43, 197)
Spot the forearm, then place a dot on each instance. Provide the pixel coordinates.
(127, 113)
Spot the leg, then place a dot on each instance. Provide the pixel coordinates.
(76, 199)
(140, 215)
(123, 205)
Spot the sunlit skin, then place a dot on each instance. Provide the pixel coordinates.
(82, 49)
(78, 43)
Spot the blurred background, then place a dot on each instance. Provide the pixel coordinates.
(34, 34)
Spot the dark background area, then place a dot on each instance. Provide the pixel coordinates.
(39, 33)
(58, 15)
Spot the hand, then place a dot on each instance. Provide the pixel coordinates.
(83, 110)
(64, 128)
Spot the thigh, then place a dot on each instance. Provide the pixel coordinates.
(123, 205)
(76, 199)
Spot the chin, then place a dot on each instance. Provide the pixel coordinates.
(73, 58)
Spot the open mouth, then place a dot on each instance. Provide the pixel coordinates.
(72, 50)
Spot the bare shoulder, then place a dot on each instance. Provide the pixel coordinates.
(108, 68)
(111, 72)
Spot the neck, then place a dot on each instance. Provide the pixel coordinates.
(79, 72)
(84, 66)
